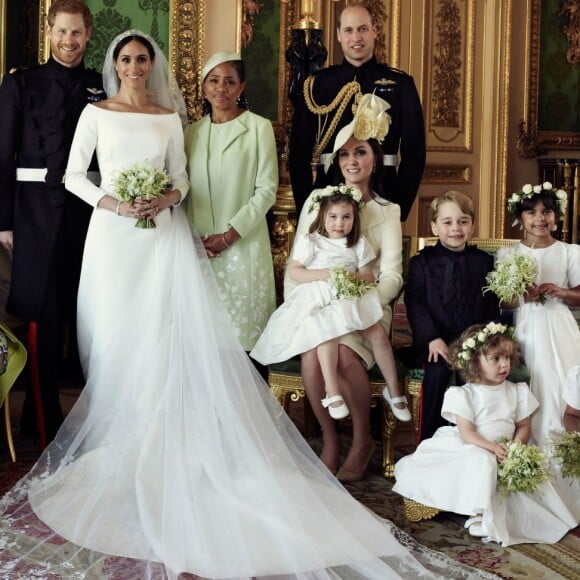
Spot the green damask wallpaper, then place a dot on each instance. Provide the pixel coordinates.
(110, 17)
(559, 87)
(261, 61)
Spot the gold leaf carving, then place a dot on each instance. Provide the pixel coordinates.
(447, 66)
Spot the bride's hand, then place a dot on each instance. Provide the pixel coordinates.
(151, 208)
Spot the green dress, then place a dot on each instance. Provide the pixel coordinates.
(233, 171)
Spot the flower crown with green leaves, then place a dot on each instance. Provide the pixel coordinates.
(330, 190)
(528, 191)
(475, 342)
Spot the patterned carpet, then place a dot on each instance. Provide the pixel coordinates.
(444, 533)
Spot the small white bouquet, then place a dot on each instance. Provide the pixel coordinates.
(512, 276)
(567, 452)
(143, 181)
(346, 285)
(523, 469)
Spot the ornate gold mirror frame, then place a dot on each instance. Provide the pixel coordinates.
(531, 140)
(186, 46)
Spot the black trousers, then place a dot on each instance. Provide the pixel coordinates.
(435, 382)
(56, 325)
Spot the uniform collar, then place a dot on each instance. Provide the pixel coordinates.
(359, 70)
(61, 70)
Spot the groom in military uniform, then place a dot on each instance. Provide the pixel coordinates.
(327, 105)
(43, 225)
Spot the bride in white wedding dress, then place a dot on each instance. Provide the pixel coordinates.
(176, 461)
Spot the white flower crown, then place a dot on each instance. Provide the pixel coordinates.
(475, 342)
(341, 189)
(529, 190)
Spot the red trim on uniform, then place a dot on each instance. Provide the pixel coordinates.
(35, 380)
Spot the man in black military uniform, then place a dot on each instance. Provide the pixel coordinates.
(43, 225)
(327, 106)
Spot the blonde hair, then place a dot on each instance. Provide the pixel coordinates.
(463, 200)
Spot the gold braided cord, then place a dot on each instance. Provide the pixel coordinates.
(347, 91)
(351, 89)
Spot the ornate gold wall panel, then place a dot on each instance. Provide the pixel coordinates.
(447, 174)
(187, 50)
(448, 100)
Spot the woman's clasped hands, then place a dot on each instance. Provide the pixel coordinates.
(148, 208)
(214, 244)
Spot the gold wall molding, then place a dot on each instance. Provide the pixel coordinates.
(447, 174)
(449, 98)
(43, 44)
(447, 67)
(378, 10)
(187, 50)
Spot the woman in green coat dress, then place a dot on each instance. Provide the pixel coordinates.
(233, 171)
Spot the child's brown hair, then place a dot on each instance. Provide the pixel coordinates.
(464, 355)
(318, 224)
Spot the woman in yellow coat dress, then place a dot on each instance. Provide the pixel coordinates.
(233, 171)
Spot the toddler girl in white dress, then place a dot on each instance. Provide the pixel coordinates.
(456, 470)
(313, 317)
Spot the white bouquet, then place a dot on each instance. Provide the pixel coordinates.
(524, 468)
(512, 276)
(143, 181)
(346, 285)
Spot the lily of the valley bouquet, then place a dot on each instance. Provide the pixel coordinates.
(143, 181)
(567, 452)
(346, 285)
(524, 468)
(512, 276)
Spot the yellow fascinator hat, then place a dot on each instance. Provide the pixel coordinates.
(371, 121)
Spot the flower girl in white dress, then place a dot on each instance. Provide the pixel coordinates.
(456, 470)
(546, 328)
(316, 314)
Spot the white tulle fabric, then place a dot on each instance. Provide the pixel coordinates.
(176, 458)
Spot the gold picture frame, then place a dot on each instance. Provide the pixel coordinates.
(532, 141)
(186, 47)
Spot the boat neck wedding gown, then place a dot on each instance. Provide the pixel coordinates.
(176, 461)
